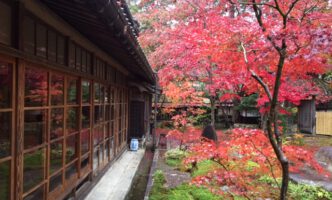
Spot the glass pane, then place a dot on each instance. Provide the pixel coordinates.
(101, 155)
(55, 181)
(56, 153)
(112, 112)
(5, 180)
(83, 61)
(57, 87)
(85, 162)
(5, 23)
(111, 150)
(88, 62)
(107, 95)
(51, 46)
(29, 35)
(34, 127)
(33, 169)
(98, 135)
(71, 148)
(97, 93)
(61, 50)
(106, 130)
(72, 91)
(35, 87)
(37, 194)
(98, 114)
(72, 55)
(85, 138)
(6, 85)
(111, 129)
(95, 136)
(71, 170)
(78, 58)
(5, 134)
(106, 149)
(102, 93)
(72, 120)
(56, 123)
(107, 113)
(95, 159)
(85, 117)
(85, 91)
(41, 35)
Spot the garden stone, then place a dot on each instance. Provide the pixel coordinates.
(324, 157)
(210, 133)
(310, 177)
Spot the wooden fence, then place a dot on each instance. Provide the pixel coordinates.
(324, 122)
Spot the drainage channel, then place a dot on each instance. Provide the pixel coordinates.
(141, 177)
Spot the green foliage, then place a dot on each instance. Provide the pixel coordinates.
(300, 191)
(182, 192)
(248, 103)
(205, 167)
(174, 157)
(190, 192)
(158, 192)
(202, 119)
(34, 160)
(296, 139)
(251, 165)
(307, 192)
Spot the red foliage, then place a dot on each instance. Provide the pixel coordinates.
(190, 41)
(236, 152)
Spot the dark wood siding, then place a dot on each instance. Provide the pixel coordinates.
(307, 116)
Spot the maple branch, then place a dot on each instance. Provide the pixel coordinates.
(291, 7)
(258, 14)
(248, 3)
(279, 9)
(269, 162)
(254, 75)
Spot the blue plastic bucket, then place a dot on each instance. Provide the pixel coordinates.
(134, 144)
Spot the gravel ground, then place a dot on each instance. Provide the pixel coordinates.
(173, 177)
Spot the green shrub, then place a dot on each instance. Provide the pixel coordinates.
(300, 191)
(158, 191)
(190, 192)
(174, 157)
(182, 192)
(308, 192)
(204, 167)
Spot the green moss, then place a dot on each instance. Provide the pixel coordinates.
(205, 167)
(158, 191)
(182, 192)
(174, 157)
(307, 192)
(251, 165)
(185, 191)
(300, 191)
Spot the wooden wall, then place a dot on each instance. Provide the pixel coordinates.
(324, 122)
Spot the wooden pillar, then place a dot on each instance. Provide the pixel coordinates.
(19, 131)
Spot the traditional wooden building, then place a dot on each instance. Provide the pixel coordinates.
(69, 69)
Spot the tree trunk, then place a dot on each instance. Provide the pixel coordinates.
(213, 112)
(272, 125)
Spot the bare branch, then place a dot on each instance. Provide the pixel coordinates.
(291, 7)
(258, 14)
(261, 82)
(254, 75)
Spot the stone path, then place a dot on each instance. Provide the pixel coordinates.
(310, 177)
(173, 176)
(116, 182)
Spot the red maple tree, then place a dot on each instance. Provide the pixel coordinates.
(275, 48)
